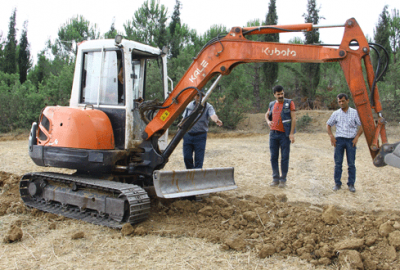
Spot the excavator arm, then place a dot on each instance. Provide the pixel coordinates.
(220, 56)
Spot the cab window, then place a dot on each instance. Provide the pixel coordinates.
(102, 78)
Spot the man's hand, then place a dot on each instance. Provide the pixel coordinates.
(333, 141)
(355, 140)
(291, 138)
(216, 120)
(266, 118)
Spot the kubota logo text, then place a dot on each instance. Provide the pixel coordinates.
(277, 52)
(198, 71)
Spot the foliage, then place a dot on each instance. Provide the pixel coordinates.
(10, 50)
(394, 33)
(20, 104)
(148, 24)
(24, 55)
(112, 33)
(231, 97)
(2, 42)
(174, 28)
(303, 122)
(381, 36)
(75, 30)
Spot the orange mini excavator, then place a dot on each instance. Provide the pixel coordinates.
(114, 134)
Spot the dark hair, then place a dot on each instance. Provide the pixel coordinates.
(341, 95)
(278, 88)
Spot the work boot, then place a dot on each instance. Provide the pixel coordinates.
(274, 183)
(336, 188)
(282, 184)
(352, 188)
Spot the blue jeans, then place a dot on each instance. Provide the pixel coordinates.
(278, 140)
(341, 145)
(197, 144)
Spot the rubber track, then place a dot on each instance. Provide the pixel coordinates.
(139, 201)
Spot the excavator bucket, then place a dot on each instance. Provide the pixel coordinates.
(175, 184)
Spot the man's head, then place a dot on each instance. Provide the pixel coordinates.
(343, 101)
(197, 97)
(278, 93)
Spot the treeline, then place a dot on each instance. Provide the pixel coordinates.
(25, 88)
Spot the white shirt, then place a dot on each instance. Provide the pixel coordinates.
(347, 123)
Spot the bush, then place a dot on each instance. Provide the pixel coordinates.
(303, 122)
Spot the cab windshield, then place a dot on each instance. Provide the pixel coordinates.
(102, 78)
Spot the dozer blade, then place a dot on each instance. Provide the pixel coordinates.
(175, 184)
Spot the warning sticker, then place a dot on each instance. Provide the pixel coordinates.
(164, 116)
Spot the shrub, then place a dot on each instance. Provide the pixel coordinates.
(303, 122)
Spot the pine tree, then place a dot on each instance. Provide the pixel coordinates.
(24, 55)
(75, 30)
(112, 32)
(148, 24)
(1, 51)
(311, 70)
(10, 50)
(271, 69)
(395, 33)
(381, 36)
(174, 25)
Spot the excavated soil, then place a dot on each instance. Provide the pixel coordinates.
(304, 226)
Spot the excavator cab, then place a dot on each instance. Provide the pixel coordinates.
(111, 76)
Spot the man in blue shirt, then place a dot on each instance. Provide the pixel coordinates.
(195, 139)
(347, 133)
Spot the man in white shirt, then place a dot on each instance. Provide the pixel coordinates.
(348, 131)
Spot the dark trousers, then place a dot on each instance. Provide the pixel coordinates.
(343, 144)
(279, 141)
(194, 144)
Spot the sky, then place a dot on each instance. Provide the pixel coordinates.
(45, 17)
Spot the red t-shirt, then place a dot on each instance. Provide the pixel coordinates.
(276, 116)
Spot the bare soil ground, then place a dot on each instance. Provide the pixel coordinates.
(304, 226)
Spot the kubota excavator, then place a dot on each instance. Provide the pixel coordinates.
(115, 137)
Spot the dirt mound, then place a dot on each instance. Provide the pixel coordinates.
(9, 189)
(322, 235)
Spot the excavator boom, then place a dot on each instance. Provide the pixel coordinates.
(221, 55)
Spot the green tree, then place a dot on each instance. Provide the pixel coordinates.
(311, 70)
(112, 32)
(10, 50)
(2, 42)
(41, 71)
(394, 33)
(148, 24)
(24, 55)
(381, 36)
(75, 30)
(174, 28)
(271, 69)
